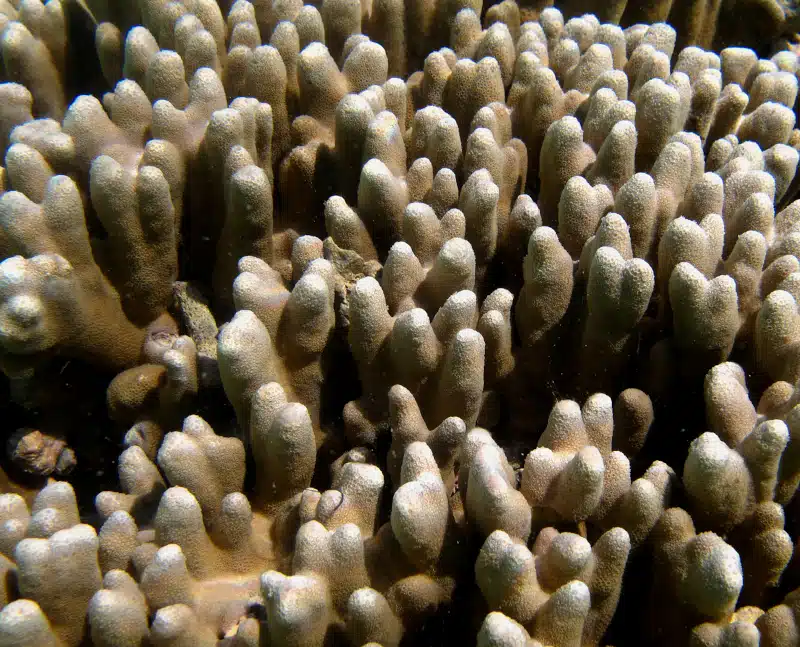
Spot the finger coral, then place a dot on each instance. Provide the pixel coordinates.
(399, 323)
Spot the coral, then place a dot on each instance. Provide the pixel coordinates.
(698, 576)
(565, 590)
(54, 565)
(399, 323)
(574, 475)
(277, 334)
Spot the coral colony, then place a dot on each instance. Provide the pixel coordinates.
(386, 322)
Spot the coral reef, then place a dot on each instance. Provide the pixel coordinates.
(399, 323)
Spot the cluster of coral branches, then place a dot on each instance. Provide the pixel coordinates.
(386, 322)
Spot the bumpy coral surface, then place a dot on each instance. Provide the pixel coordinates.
(385, 322)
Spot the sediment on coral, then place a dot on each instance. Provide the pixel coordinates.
(399, 323)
